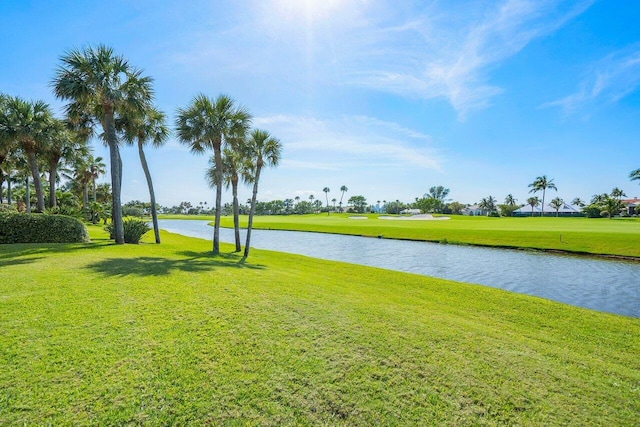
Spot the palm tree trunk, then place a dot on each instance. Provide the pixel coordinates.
(93, 184)
(85, 196)
(35, 174)
(116, 174)
(53, 172)
(217, 154)
(27, 195)
(542, 211)
(253, 209)
(236, 212)
(9, 201)
(152, 195)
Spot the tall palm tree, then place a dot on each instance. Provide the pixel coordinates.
(6, 143)
(326, 195)
(344, 189)
(233, 164)
(542, 183)
(29, 124)
(262, 150)
(97, 168)
(206, 124)
(101, 86)
(147, 126)
(634, 175)
(533, 202)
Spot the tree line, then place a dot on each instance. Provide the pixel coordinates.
(111, 100)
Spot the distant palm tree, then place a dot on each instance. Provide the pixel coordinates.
(533, 202)
(207, 124)
(344, 189)
(557, 203)
(326, 194)
(148, 125)
(488, 205)
(334, 203)
(510, 200)
(101, 85)
(30, 125)
(634, 175)
(542, 183)
(262, 150)
(617, 193)
(578, 202)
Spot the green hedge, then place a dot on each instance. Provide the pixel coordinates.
(41, 228)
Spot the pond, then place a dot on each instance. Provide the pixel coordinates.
(599, 284)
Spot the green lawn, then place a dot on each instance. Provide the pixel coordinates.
(169, 335)
(620, 237)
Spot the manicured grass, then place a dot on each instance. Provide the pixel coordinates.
(169, 335)
(620, 237)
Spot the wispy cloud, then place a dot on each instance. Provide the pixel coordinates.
(325, 143)
(453, 59)
(607, 81)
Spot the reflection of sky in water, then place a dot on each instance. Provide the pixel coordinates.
(605, 285)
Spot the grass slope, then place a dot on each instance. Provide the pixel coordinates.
(167, 334)
(618, 237)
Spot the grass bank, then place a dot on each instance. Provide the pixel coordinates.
(617, 237)
(166, 334)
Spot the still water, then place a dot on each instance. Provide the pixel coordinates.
(604, 285)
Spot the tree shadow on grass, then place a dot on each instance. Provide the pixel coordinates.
(193, 262)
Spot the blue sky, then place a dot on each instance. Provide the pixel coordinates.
(386, 97)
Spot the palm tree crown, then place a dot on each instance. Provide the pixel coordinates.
(542, 183)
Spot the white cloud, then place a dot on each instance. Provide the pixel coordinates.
(607, 81)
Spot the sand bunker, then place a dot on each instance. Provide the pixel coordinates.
(421, 217)
(358, 217)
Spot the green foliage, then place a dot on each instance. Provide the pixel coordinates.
(41, 228)
(8, 208)
(507, 210)
(134, 229)
(132, 211)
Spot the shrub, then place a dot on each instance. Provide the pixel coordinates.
(41, 228)
(7, 208)
(134, 229)
(132, 211)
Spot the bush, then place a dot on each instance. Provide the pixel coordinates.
(7, 208)
(132, 211)
(134, 229)
(41, 228)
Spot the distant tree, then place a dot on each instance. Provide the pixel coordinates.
(343, 189)
(617, 193)
(556, 204)
(359, 203)
(542, 183)
(578, 202)
(326, 195)
(610, 206)
(509, 205)
(533, 202)
(634, 175)
(488, 205)
(456, 207)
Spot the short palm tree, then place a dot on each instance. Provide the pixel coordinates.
(262, 150)
(101, 86)
(149, 126)
(29, 124)
(533, 202)
(556, 204)
(326, 194)
(542, 183)
(205, 125)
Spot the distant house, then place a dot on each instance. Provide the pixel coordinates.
(632, 206)
(472, 210)
(565, 210)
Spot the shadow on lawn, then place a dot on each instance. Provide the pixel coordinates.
(194, 262)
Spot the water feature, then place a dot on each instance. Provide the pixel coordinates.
(606, 285)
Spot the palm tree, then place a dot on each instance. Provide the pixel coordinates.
(6, 145)
(542, 183)
(205, 125)
(97, 168)
(148, 126)
(510, 200)
(634, 175)
(334, 200)
(344, 189)
(533, 202)
(577, 202)
(556, 203)
(262, 150)
(618, 193)
(29, 124)
(101, 85)
(488, 204)
(326, 195)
